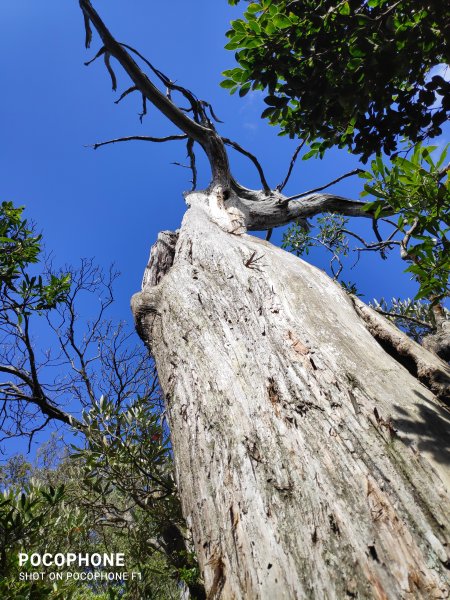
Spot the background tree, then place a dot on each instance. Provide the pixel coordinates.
(57, 506)
(288, 400)
(102, 384)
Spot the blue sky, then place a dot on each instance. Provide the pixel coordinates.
(111, 203)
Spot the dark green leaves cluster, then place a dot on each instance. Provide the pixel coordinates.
(349, 73)
(127, 461)
(34, 518)
(20, 247)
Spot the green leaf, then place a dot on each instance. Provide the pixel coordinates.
(344, 9)
(253, 8)
(281, 21)
(227, 83)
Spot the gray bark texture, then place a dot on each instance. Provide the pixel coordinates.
(311, 437)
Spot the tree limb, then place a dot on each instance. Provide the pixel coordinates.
(205, 136)
(323, 187)
(280, 187)
(253, 158)
(141, 138)
(397, 316)
(267, 212)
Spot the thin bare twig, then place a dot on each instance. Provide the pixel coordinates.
(280, 187)
(252, 157)
(131, 89)
(323, 187)
(191, 155)
(141, 138)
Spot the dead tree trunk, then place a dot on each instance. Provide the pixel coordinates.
(310, 436)
(311, 461)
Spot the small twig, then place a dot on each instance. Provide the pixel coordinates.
(323, 187)
(110, 71)
(142, 138)
(252, 157)
(126, 92)
(375, 246)
(144, 108)
(283, 184)
(405, 241)
(99, 53)
(170, 85)
(252, 260)
(213, 114)
(334, 258)
(88, 30)
(269, 234)
(376, 231)
(444, 171)
(191, 155)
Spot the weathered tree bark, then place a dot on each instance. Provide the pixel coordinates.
(311, 460)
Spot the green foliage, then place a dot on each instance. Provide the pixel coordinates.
(415, 317)
(36, 518)
(126, 461)
(331, 235)
(416, 190)
(350, 73)
(118, 492)
(20, 247)
(411, 203)
(72, 515)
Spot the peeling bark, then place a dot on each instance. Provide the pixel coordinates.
(312, 461)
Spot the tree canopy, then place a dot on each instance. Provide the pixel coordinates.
(354, 74)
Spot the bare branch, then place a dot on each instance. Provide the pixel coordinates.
(204, 135)
(264, 213)
(191, 155)
(141, 138)
(252, 157)
(405, 241)
(323, 187)
(280, 187)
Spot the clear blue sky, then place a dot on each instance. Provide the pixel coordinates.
(111, 203)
